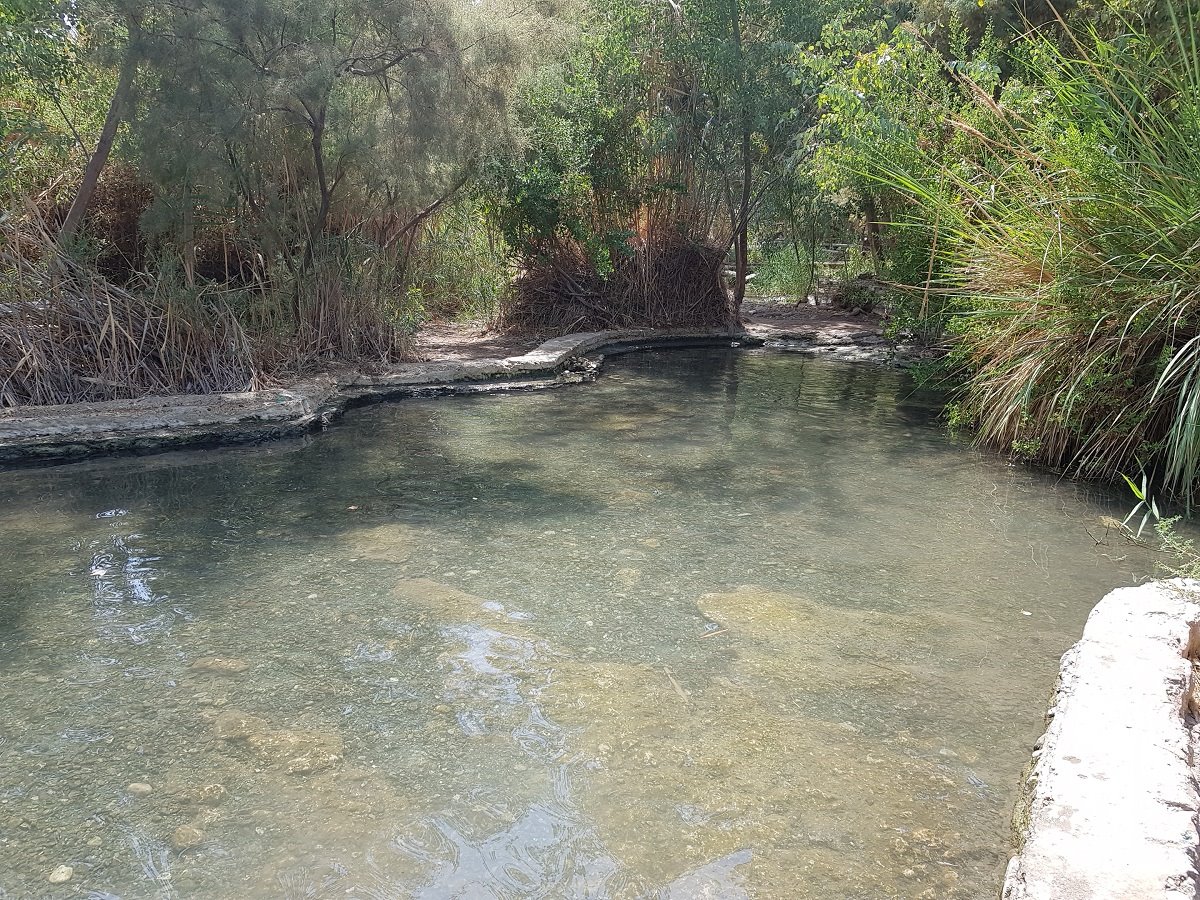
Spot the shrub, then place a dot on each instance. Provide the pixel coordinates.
(1066, 225)
(69, 335)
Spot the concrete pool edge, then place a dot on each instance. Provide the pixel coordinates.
(70, 432)
(1110, 808)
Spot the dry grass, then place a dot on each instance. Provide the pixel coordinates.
(333, 319)
(674, 284)
(68, 335)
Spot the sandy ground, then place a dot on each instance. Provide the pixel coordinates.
(767, 319)
(469, 340)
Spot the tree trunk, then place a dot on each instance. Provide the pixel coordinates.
(108, 134)
(741, 230)
(874, 243)
(189, 239)
(316, 124)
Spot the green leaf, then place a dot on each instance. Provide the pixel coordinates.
(1137, 492)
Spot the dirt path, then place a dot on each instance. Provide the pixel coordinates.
(775, 319)
(469, 340)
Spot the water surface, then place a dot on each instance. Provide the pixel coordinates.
(719, 625)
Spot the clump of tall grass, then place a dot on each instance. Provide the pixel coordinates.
(786, 272)
(68, 335)
(1065, 232)
(672, 283)
(348, 308)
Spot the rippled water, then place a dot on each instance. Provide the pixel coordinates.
(720, 625)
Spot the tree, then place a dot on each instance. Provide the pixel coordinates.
(118, 109)
(33, 44)
(754, 99)
(35, 58)
(319, 115)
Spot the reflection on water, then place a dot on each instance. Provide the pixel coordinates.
(720, 625)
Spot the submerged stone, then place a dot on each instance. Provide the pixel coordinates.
(815, 647)
(212, 794)
(186, 837)
(61, 875)
(628, 577)
(234, 725)
(219, 665)
(757, 610)
(443, 600)
(295, 752)
(380, 543)
(692, 744)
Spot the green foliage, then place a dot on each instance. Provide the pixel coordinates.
(461, 267)
(1184, 557)
(34, 44)
(1064, 222)
(309, 118)
(297, 158)
(894, 102)
(1026, 448)
(956, 417)
(580, 171)
(38, 128)
(783, 270)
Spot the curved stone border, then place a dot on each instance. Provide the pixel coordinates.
(37, 434)
(1110, 808)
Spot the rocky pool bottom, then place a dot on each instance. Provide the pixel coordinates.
(727, 624)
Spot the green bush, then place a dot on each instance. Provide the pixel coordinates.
(460, 267)
(784, 271)
(1065, 221)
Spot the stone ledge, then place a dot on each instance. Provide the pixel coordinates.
(846, 341)
(1112, 799)
(31, 434)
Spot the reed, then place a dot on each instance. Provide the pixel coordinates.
(69, 335)
(675, 283)
(1065, 232)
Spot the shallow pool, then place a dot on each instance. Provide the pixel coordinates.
(723, 624)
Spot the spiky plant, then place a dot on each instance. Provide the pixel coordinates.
(1065, 227)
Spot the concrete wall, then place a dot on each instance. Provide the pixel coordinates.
(151, 424)
(1111, 808)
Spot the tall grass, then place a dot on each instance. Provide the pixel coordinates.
(348, 308)
(1065, 233)
(68, 335)
(786, 272)
(460, 267)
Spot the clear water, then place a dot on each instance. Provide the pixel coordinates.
(719, 625)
